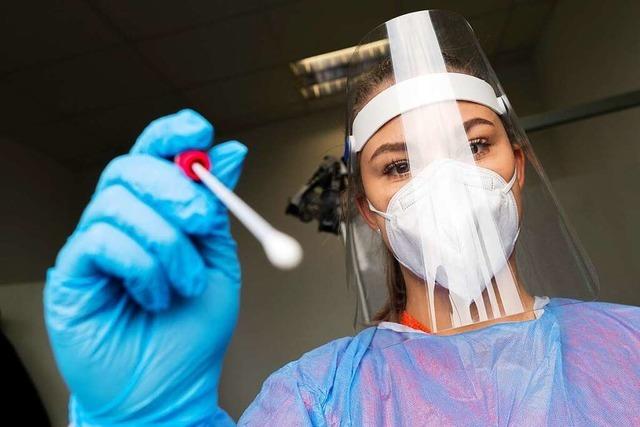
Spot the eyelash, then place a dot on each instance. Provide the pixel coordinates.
(476, 143)
(393, 165)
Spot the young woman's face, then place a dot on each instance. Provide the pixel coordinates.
(384, 164)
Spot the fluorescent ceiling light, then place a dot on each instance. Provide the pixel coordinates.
(326, 74)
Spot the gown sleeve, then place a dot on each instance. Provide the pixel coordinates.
(285, 399)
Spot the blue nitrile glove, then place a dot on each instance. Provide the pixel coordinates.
(144, 296)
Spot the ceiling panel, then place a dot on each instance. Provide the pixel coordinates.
(309, 27)
(76, 90)
(261, 90)
(32, 34)
(467, 8)
(208, 101)
(525, 24)
(122, 125)
(101, 80)
(20, 109)
(207, 53)
(61, 140)
(145, 18)
(254, 94)
(336, 100)
(252, 120)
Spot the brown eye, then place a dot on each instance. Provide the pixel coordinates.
(397, 168)
(478, 146)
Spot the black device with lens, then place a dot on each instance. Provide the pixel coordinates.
(319, 198)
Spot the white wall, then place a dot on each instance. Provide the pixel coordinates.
(283, 314)
(23, 323)
(37, 212)
(591, 50)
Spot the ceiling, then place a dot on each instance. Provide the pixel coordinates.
(80, 78)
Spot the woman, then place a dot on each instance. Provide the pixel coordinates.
(466, 334)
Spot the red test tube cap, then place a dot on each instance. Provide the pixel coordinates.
(186, 160)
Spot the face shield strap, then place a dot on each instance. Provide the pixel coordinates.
(417, 92)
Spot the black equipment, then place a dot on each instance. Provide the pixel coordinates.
(319, 198)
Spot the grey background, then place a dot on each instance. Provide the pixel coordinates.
(80, 79)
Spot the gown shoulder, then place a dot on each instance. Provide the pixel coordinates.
(296, 393)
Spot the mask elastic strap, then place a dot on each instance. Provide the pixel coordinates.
(382, 214)
(512, 181)
(506, 190)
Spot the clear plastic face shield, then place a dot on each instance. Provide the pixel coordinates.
(450, 217)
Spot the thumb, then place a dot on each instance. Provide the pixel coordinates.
(226, 162)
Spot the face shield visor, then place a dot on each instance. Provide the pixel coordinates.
(449, 215)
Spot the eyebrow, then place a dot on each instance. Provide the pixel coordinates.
(476, 121)
(389, 147)
(401, 146)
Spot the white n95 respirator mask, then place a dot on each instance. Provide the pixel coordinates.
(454, 224)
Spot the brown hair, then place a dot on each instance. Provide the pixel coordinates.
(369, 85)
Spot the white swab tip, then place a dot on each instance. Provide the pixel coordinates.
(283, 251)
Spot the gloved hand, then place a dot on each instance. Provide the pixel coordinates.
(144, 296)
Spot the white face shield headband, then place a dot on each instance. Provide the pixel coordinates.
(417, 92)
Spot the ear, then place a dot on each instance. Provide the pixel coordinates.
(520, 159)
(366, 213)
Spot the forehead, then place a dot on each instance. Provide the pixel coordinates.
(393, 130)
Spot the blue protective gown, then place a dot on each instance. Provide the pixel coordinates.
(577, 364)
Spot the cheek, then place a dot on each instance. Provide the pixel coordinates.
(377, 191)
(502, 162)
(380, 199)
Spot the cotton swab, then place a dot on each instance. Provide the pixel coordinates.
(282, 250)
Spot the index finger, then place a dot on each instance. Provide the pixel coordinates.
(170, 135)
